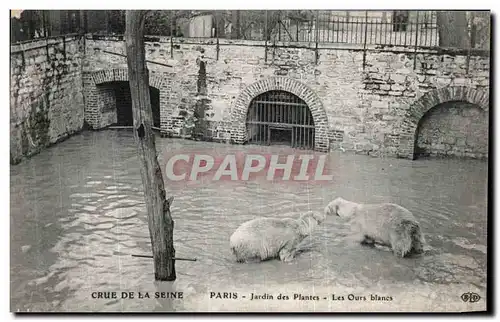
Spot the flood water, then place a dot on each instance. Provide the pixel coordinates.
(78, 213)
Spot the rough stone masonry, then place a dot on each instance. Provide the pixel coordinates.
(383, 102)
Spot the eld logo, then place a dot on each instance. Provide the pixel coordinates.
(201, 166)
(470, 297)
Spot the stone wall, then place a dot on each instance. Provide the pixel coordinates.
(399, 88)
(454, 129)
(107, 105)
(367, 102)
(46, 100)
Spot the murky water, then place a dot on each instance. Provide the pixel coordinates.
(78, 213)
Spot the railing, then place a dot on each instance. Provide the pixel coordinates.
(385, 28)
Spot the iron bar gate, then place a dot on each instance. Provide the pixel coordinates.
(280, 117)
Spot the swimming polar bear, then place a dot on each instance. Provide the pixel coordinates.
(385, 224)
(266, 238)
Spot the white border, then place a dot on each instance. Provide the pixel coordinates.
(189, 4)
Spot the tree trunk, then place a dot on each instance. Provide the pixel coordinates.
(160, 222)
(452, 29)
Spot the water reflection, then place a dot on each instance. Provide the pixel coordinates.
(78, 213)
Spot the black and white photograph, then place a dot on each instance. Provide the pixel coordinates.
(251, 160)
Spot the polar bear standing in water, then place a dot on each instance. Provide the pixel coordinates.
(266, 238)
(385, 224)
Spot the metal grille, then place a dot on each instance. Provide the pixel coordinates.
(279, 117)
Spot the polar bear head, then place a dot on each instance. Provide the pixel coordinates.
(341, 208)
(309, 221)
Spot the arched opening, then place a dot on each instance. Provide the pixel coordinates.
(280, 117)
(116, 100)
(454, 128)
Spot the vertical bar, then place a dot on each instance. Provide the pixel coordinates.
(321, 34)
(217, 48)
(106, 14)
(309, 138)
(341, 28)
(299, 129)
(400, 32)
(302, 121)
(359, 34)
(297, 30)
(426, 27)
(432, 32)
(70, 21)
(326, 24)
(356, 34)
(249, 124)
(346, 29)
(337, 29)
(273, 111)
(350, 35)
(364, 43)
(281, 110)
(217, 45)
(307, 130)
(470, 45)
(285, 112)
(391, 28)
(255, 124)
(263, 117)
(203, 28)
(44, 24)
(257, 112)
(416, 45)
(289, 114)
(172, 32)
(326, 27)
(406, 30)
(78, 18)
(259, 126)
(385, 33)
(279, 25)
(85, 22)
(316, 27)
(266, 36)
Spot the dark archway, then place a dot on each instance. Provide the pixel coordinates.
(116, 96)
(280, 117)
(408, 129)
(454, 128)
(240, 108)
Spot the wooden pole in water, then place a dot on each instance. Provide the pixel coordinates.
(160, 222)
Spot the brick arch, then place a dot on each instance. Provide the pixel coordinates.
(242, 103)
(121, 75)
(408, 130)
(96, 118)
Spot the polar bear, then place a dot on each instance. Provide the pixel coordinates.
(386, 224)
(267, 238)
